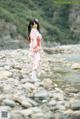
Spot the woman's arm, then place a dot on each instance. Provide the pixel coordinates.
(38, 46)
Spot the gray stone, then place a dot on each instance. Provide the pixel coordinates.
(76, 66)
(60, 107)
(38, 116)
(9, 102)
(75, 104)
(22, 100)
(32, 102)
(52, 102)
(41, 94)
(58, 96)
(5, 74)
(59, 115)
(30, 111)
(26, 104)
(17, 115)
(69, 114)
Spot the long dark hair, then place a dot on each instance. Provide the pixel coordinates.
(31, 23)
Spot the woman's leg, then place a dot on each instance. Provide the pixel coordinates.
(35, 66)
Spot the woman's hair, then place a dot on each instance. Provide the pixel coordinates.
(31, 23)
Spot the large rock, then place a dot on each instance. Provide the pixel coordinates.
(76, 66)
(69, 114)
(22, 101)
(28, 112)
(9, 102)
(75, 104)
(5, 74)
(48, 83)
(17, 115)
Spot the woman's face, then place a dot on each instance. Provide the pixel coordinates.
(34, 25)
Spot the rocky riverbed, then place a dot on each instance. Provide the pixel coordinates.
(52, 97)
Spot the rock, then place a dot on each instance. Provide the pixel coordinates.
(1, 98)
(6, 67)
(22, 101)
(9, 102)
(17, 115)
(45, 108)
(32, 102)
(75, 66)
(75, 104)
(49, 115)
(17, 67)
(71, 90)
(48, 50)
(60, 107)
(69, 114)
(1, 89)
(29, 86)
(43, 94)
(24, 80)
(48, 83)
(5, 108)
(58, 96)
(8, 89)
(38, 116)
(30, 111)
(5, 74)
(52, 102)
(26, 104)
(59, 115)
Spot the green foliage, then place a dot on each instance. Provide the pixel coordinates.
(53, 17)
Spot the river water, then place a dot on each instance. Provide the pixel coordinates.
(62, 66)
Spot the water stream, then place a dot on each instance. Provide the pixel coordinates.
(62, 68)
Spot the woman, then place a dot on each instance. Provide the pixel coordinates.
(34, 37)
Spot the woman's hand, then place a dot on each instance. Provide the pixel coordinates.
(36, 49)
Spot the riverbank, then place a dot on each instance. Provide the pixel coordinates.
(50, 98)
